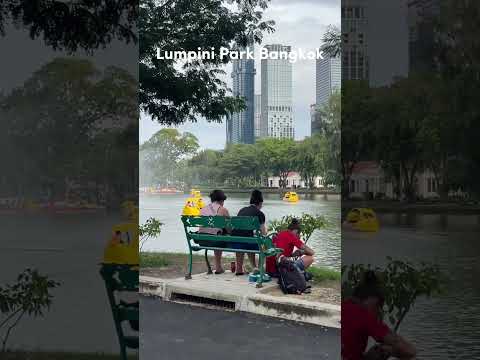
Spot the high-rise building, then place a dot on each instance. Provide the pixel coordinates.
(240, 126)
(355, 62)
(421, 15)
(258, 115)
(328, 79)
(277, 106)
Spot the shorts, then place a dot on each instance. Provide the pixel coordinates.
(209, 243)
(300, 264)
(246, 246)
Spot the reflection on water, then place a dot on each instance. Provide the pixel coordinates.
(167, 208)
(447, 327)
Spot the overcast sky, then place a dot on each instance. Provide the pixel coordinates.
(300, 24)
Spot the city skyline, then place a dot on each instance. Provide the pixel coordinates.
(298, 25)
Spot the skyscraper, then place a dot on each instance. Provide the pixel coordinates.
(328, 80)
(258, 115)
(240, 126)
(421, 14)
(355, 63)
(277, 107)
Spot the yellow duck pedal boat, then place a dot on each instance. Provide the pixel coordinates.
(362, 219)
(291, 196)
(122, 248)
(191, 207)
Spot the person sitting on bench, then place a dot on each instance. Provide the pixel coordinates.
(215, 208)
(288, 240)
(256, 202)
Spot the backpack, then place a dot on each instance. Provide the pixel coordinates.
(290, 278)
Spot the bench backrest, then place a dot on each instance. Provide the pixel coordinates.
(223, 222)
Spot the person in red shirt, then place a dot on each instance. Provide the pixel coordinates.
(289, 241)
(361, 320)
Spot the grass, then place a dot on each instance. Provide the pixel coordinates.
(324, 274)
(153, 259)
(40, 355)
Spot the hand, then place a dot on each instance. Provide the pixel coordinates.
(297, 253)
(378, 352)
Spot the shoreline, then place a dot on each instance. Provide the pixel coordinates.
(387, 206)
(170, 266)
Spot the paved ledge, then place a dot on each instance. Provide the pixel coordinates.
(236, 293)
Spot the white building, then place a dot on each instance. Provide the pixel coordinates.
(277, 104)
(294, 180)
(369, 180)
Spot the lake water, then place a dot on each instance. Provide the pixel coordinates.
(67, 248)
(167, 208)
(445, 327)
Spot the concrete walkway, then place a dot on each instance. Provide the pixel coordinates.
(182, 332)
(234, 293)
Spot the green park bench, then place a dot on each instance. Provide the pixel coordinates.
(199, 241)
(122, 278)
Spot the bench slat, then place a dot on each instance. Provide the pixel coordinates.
(221, 222)
(226, 238)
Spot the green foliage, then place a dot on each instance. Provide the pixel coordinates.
(30, 295)
(324, 274)
(83, 24)
(403, 283)
(332, 41)
(151, 259)
(276, 156)
(309, 224)
(172, 91)
(161, 154)
(150, 229)
(85, 116)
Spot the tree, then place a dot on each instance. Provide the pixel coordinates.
(456, 52)
(30, 295)
(357, 128)
(163, 151)
(403, 283)
(276, 155)
(240, 165)
(308, 161)
(172, 91)
(329, 146)
(67, 104)
(332, 41)
(309, 224)
(73, 25)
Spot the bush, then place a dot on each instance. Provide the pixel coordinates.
(403, 283)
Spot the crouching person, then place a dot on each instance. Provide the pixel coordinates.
(291, 244)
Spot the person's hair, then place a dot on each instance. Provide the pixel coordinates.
(294, 225)
(217, 195)
(369, 286)
(256, 198)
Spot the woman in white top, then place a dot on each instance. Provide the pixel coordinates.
(215, 208)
